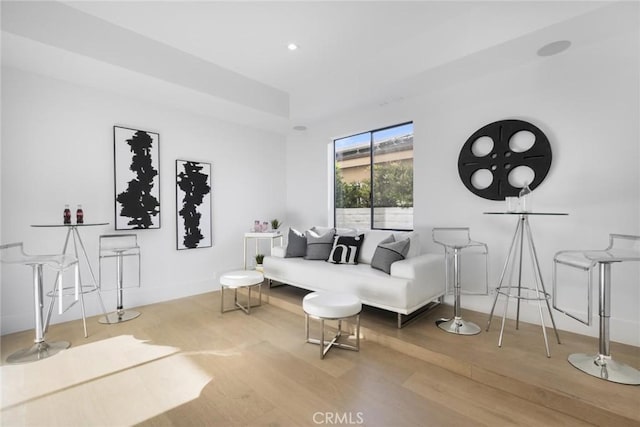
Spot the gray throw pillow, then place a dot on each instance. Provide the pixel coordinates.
(297, 244)
(389, 252)
(319, 246)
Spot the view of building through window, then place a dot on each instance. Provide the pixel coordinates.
(374, 187)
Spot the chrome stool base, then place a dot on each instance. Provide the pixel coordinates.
(458, 326)
(118, 317)
(325, 345)
(236, 303)
(604, 367)
(455, 240)
(38, 351)
(324, 306)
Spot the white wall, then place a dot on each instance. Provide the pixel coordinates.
(586, 100)
(57, 148)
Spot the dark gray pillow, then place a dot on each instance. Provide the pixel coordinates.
(389, 252)
(319, 246)
(297, 244)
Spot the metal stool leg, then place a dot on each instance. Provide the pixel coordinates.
(602, 365)
(222, 299)
(41, 349)
(120, 315)
(358, 332)
(326, 345)
(322, 348)
(457, 325)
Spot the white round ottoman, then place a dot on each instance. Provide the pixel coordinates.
(331, 306)
(237, 280)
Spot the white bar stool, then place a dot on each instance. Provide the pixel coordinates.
(454, 240)
(622, 248)
(328, 306)
(13, 253)
(119, 247)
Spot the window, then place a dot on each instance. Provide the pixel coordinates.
(374, 179)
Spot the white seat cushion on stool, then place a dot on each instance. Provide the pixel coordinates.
(240, 278)
(331, 305)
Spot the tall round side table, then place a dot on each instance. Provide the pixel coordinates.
(515, 258)
(241, 279)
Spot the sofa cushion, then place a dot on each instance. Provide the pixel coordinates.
(372, 286)
(388, 252)
(345, 249)
(319, 246)
(296, 244)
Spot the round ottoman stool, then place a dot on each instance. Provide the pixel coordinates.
(237, 280)
(329, 306)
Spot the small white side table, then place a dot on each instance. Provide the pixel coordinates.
(329, 306)
(271, 236)
(241, 279)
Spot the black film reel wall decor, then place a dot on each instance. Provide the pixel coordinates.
(502, 158)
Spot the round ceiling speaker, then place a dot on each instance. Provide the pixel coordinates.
(503, 156)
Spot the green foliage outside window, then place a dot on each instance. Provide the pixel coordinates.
(393, 187)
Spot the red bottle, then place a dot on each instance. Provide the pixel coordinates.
(79, 215)
(67, 215)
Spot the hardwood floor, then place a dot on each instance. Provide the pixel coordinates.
(184, 363)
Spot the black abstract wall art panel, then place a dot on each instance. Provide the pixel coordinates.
(193, 204)
(137, 178)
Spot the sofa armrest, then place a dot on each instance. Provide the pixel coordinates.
(425, 267)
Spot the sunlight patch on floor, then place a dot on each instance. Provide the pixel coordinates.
(95, 384)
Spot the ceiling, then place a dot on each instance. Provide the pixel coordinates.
(230, 59)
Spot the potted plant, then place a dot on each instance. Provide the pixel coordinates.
(259, 259)
(275, 224)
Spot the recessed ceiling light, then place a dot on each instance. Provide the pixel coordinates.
(554, 48)
(292, 46)
(300, 127)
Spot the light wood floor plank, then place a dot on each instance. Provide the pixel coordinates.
(183, 363)
(484, 404)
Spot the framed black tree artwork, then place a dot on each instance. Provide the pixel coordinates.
(193, 205)
(137, 179)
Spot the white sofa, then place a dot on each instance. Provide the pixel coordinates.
(413, 283)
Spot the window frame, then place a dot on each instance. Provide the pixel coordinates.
(371, 175)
